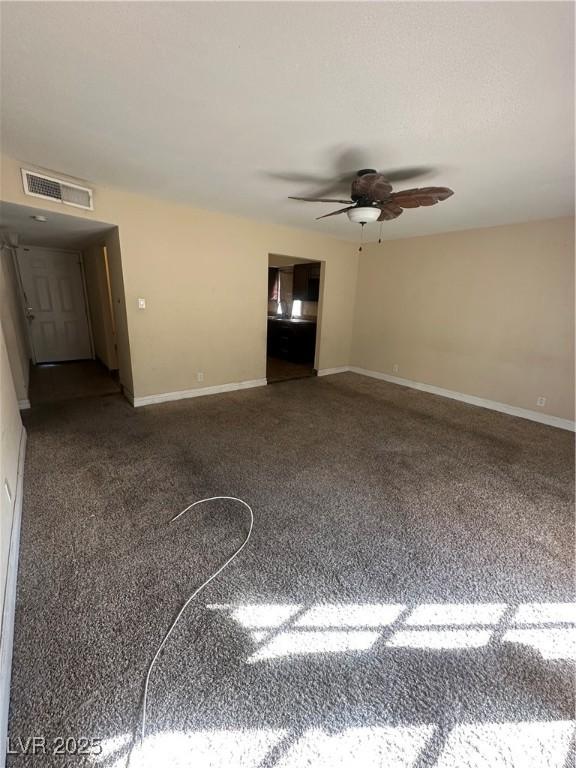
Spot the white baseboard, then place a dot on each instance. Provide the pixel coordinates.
(23, 404)
(330, 371)
(184, 394)
(493, 405)
(9, 610)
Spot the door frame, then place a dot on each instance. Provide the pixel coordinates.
(320, 313)
(303, 260)
(22, 293)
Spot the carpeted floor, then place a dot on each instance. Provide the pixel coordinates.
(405, 601)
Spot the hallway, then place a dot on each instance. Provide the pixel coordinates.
(54, 382)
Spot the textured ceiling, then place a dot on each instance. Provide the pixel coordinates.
(204, 102)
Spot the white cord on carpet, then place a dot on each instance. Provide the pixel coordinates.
(193, 595)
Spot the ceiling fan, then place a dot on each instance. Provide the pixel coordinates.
(372, 199)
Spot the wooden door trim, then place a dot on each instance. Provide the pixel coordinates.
(23, 305)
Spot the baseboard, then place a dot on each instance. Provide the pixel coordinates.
(8, 613)
(493, 405)
(330, 371)
(126, 393)
(184, 394)
(23, 404)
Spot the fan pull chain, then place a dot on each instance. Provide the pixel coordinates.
(380, 235)
(361, 236)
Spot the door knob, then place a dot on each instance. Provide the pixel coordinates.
(30, 313)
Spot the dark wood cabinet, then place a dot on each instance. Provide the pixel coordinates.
(306, 281)
(272, 278)
(290, 340)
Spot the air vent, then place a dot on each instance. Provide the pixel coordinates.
(48, 188)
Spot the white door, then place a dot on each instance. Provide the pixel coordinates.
(55, 304)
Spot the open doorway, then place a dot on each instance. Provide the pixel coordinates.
(68, 291)
(293, 315)
(66, 300)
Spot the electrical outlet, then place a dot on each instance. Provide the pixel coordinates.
(200, 376)
(541, 401)
(395, 368)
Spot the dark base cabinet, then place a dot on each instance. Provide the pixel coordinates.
(289, 340)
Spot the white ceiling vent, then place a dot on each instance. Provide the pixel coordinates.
(48, 188)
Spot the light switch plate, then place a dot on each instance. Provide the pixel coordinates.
(141, 303)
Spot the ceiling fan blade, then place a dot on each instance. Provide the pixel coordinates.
(425, 196)
(335, 213)
(338, 186)
(348, 159)
(298, 178)
(406, 202)
(389, 211)
(343, 161)
(404, 174)
(442, 193)
(318, 199)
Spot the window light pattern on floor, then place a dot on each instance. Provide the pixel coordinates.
(281, 631)
(380, 615)
(200, 749)
(284, 630)
(441, 614)
(397, 747)
(507, 745)
(290, 643)
(473, 745)
(438, 639)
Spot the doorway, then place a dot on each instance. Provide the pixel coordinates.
(63, 275)
(64, 306)
(293, 301)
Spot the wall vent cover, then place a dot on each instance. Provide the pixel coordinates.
(48, 188)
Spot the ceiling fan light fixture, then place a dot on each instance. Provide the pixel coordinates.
(364, 215)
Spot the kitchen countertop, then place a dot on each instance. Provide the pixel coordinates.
(290, 319)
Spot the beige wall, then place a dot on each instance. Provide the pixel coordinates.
(101, 319)
(486, 312)
(12, 319)
(11, 433)
(204, 277)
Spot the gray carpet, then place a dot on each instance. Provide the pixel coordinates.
(331, 641)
